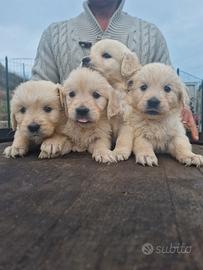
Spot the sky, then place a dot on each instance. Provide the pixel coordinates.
(22, 23)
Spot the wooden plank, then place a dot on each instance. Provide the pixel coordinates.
(34, 195)
(72, 213)
(186, 189)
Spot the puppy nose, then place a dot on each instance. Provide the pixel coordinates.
(153, 102)
(82, 111)
(34, 127)
(85, 61)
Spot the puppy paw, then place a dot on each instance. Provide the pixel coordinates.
(49, 151)
(55, 147)
(147, 159)
(14, 151)
(104, 156)
(66, 148)
(121, 154)
(192, 159)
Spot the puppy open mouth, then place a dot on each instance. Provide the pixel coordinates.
(152, 112)
(34, 135)
(83, 121)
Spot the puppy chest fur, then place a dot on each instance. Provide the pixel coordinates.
(82, 137)
(158, 133)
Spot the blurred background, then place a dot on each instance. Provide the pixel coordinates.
(22, 23)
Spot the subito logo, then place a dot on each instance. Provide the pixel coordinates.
(147, 248)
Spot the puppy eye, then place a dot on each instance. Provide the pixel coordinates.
(106, 55)
(167, 88)
(23, 110)
(144, 87)
(96, 95)
(72, 94)
(130, 83)
(47, 109)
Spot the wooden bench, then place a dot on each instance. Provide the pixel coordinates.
(72, 214)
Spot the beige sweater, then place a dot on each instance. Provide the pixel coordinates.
(60, 51)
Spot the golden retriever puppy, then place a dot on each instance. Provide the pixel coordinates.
(157, 95)
(36, 113)
(116, 63)
(90, 103)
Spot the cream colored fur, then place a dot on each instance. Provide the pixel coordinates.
(159, 129)
(92, 132)
(34, 102)
(117, 69)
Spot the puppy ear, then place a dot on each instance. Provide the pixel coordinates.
(62, 98)
(130, 64)
(113, 108)
(13, 121)
(183, 95)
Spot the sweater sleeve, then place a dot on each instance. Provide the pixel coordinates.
(158, 47)
(45, 67)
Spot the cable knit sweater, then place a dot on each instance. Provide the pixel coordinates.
(60, 50)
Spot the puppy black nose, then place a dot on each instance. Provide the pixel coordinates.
(34, 127)
(82, 111)
(153, 103)
(86, 61)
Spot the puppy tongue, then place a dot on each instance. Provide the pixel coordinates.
(82, 120)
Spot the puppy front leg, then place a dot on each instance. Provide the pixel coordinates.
(124, 143)
(181, 149)
(57, 145)
(144, 152)
(19, 146)
(101, 152)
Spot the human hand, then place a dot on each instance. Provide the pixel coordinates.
(189, 123)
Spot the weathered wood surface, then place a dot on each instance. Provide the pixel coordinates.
(73, 214)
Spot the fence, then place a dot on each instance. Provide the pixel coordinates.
(16, 70)
(12, 73)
